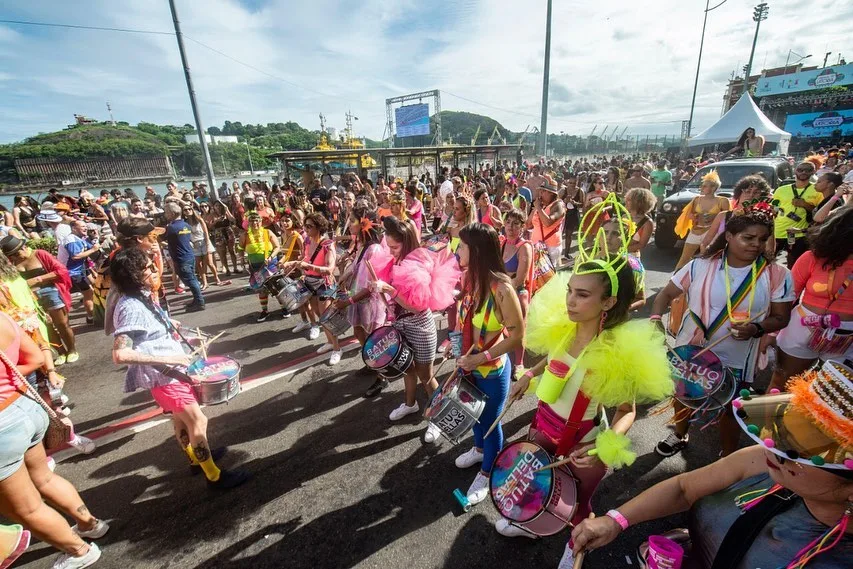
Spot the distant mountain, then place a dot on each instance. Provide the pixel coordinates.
(461, 127)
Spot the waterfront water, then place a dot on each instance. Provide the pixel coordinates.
(8, 199)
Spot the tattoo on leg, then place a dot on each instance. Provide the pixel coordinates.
(184, 438)
(201, 452)
(82, 510)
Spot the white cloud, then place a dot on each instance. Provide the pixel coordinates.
(622, 62)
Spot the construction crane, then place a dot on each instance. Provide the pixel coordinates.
(495, 132)
(476, 134)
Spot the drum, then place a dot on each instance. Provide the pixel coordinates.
(386, 351)
(216, 379)
(335, 321)
(455, 408)
(541, 502)
(293, 294)
(696, 378)
(275, 284)
(257, 280)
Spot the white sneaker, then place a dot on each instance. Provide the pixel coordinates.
(64, 399)
(335, 358)
(303, 325)
(327, 347)
(67, 561)
(51, 464)
(83, 444)
(314, 333)
(64, 411)
(508, 529)
(403, 410)
(469, 459)
(479, 489)
(432, 433)
(100, 530)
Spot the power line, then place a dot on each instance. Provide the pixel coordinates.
(81, 27)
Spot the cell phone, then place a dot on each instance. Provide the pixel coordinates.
(793, 216)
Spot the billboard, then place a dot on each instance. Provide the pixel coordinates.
(805, 81)
(820, 124)
(412, 120)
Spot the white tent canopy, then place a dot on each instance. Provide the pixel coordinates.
(744, 114)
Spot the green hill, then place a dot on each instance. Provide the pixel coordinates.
(460, 127)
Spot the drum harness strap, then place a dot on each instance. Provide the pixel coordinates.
(745, 287)
(467, 309)
(160, 314)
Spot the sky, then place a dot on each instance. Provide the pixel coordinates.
(622, 62)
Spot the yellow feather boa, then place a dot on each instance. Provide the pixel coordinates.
(625, 363)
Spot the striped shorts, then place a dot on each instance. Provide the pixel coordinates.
(421, 334)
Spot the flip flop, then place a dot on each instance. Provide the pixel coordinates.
(223, 283)
(20, 548)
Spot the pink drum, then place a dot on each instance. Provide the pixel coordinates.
(541, 502)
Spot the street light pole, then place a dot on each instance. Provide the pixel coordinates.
(699, 63)
(759, 14)
(249, 152)
(543, 129)
(211, 179)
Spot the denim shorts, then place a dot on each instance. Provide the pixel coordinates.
(49, 298)
(22, 426)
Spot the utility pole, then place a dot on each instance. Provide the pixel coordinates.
(543, 129)
(825, 57)
(211, 179)
(249, 152)
(759, 14)
(699, 63)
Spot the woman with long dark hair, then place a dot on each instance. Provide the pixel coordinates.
(202, 247)
(487, 212)
(732, 288)
(418, 282)
(749, 144)
(366, 310)
(492, 327)
(223, 223)
(748, 190)
(821, 326)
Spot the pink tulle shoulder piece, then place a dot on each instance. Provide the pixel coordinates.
(426, 279)
(382, 260)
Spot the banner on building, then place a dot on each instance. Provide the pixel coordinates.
(820, 124)
(805, 81)
(412, 120)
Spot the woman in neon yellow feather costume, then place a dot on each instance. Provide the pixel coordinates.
(613, 362)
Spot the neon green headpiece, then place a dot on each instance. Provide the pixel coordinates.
(592, 242)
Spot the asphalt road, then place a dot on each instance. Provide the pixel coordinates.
(335, 483)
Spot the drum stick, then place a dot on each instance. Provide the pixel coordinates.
(581, 554)
(203, 345)
(498, 420)
(718, 340)
(373, 276)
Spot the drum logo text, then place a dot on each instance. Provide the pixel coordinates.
(516, 484)
(380, 347)
(453, 419)
(694, 373)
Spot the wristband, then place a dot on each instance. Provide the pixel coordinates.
(488, 355)
(528, 374)
(655, 318)
(618, 518)
(350, 301)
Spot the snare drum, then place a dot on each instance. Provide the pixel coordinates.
(275, 284)
(335, 321)
(216, 379)
(293, 294)
(543, 502)
(259, 278)
(455, 408)
(386, 351)
(436, 243)
(696, 378)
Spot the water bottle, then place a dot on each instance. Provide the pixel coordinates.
(821, 321)
(455, 338)
(553, 380)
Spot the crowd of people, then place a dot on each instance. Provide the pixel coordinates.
(538, 270)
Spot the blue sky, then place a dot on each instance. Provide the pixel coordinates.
(624, 62)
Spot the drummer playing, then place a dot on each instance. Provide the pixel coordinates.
(490, 320)
(582, 321)
(732, 288)
(145, 342)
(260, 244)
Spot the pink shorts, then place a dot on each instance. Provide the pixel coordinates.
(173, 397)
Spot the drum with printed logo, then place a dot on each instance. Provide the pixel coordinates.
(541, 502)
(293, 294)
(455, 408)
(335, 321)
(387, 352)
(215, 379)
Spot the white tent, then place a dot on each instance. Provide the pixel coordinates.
(744, 114)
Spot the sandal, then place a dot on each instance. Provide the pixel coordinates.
(223, 283)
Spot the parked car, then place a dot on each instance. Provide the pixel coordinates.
(776, 170)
